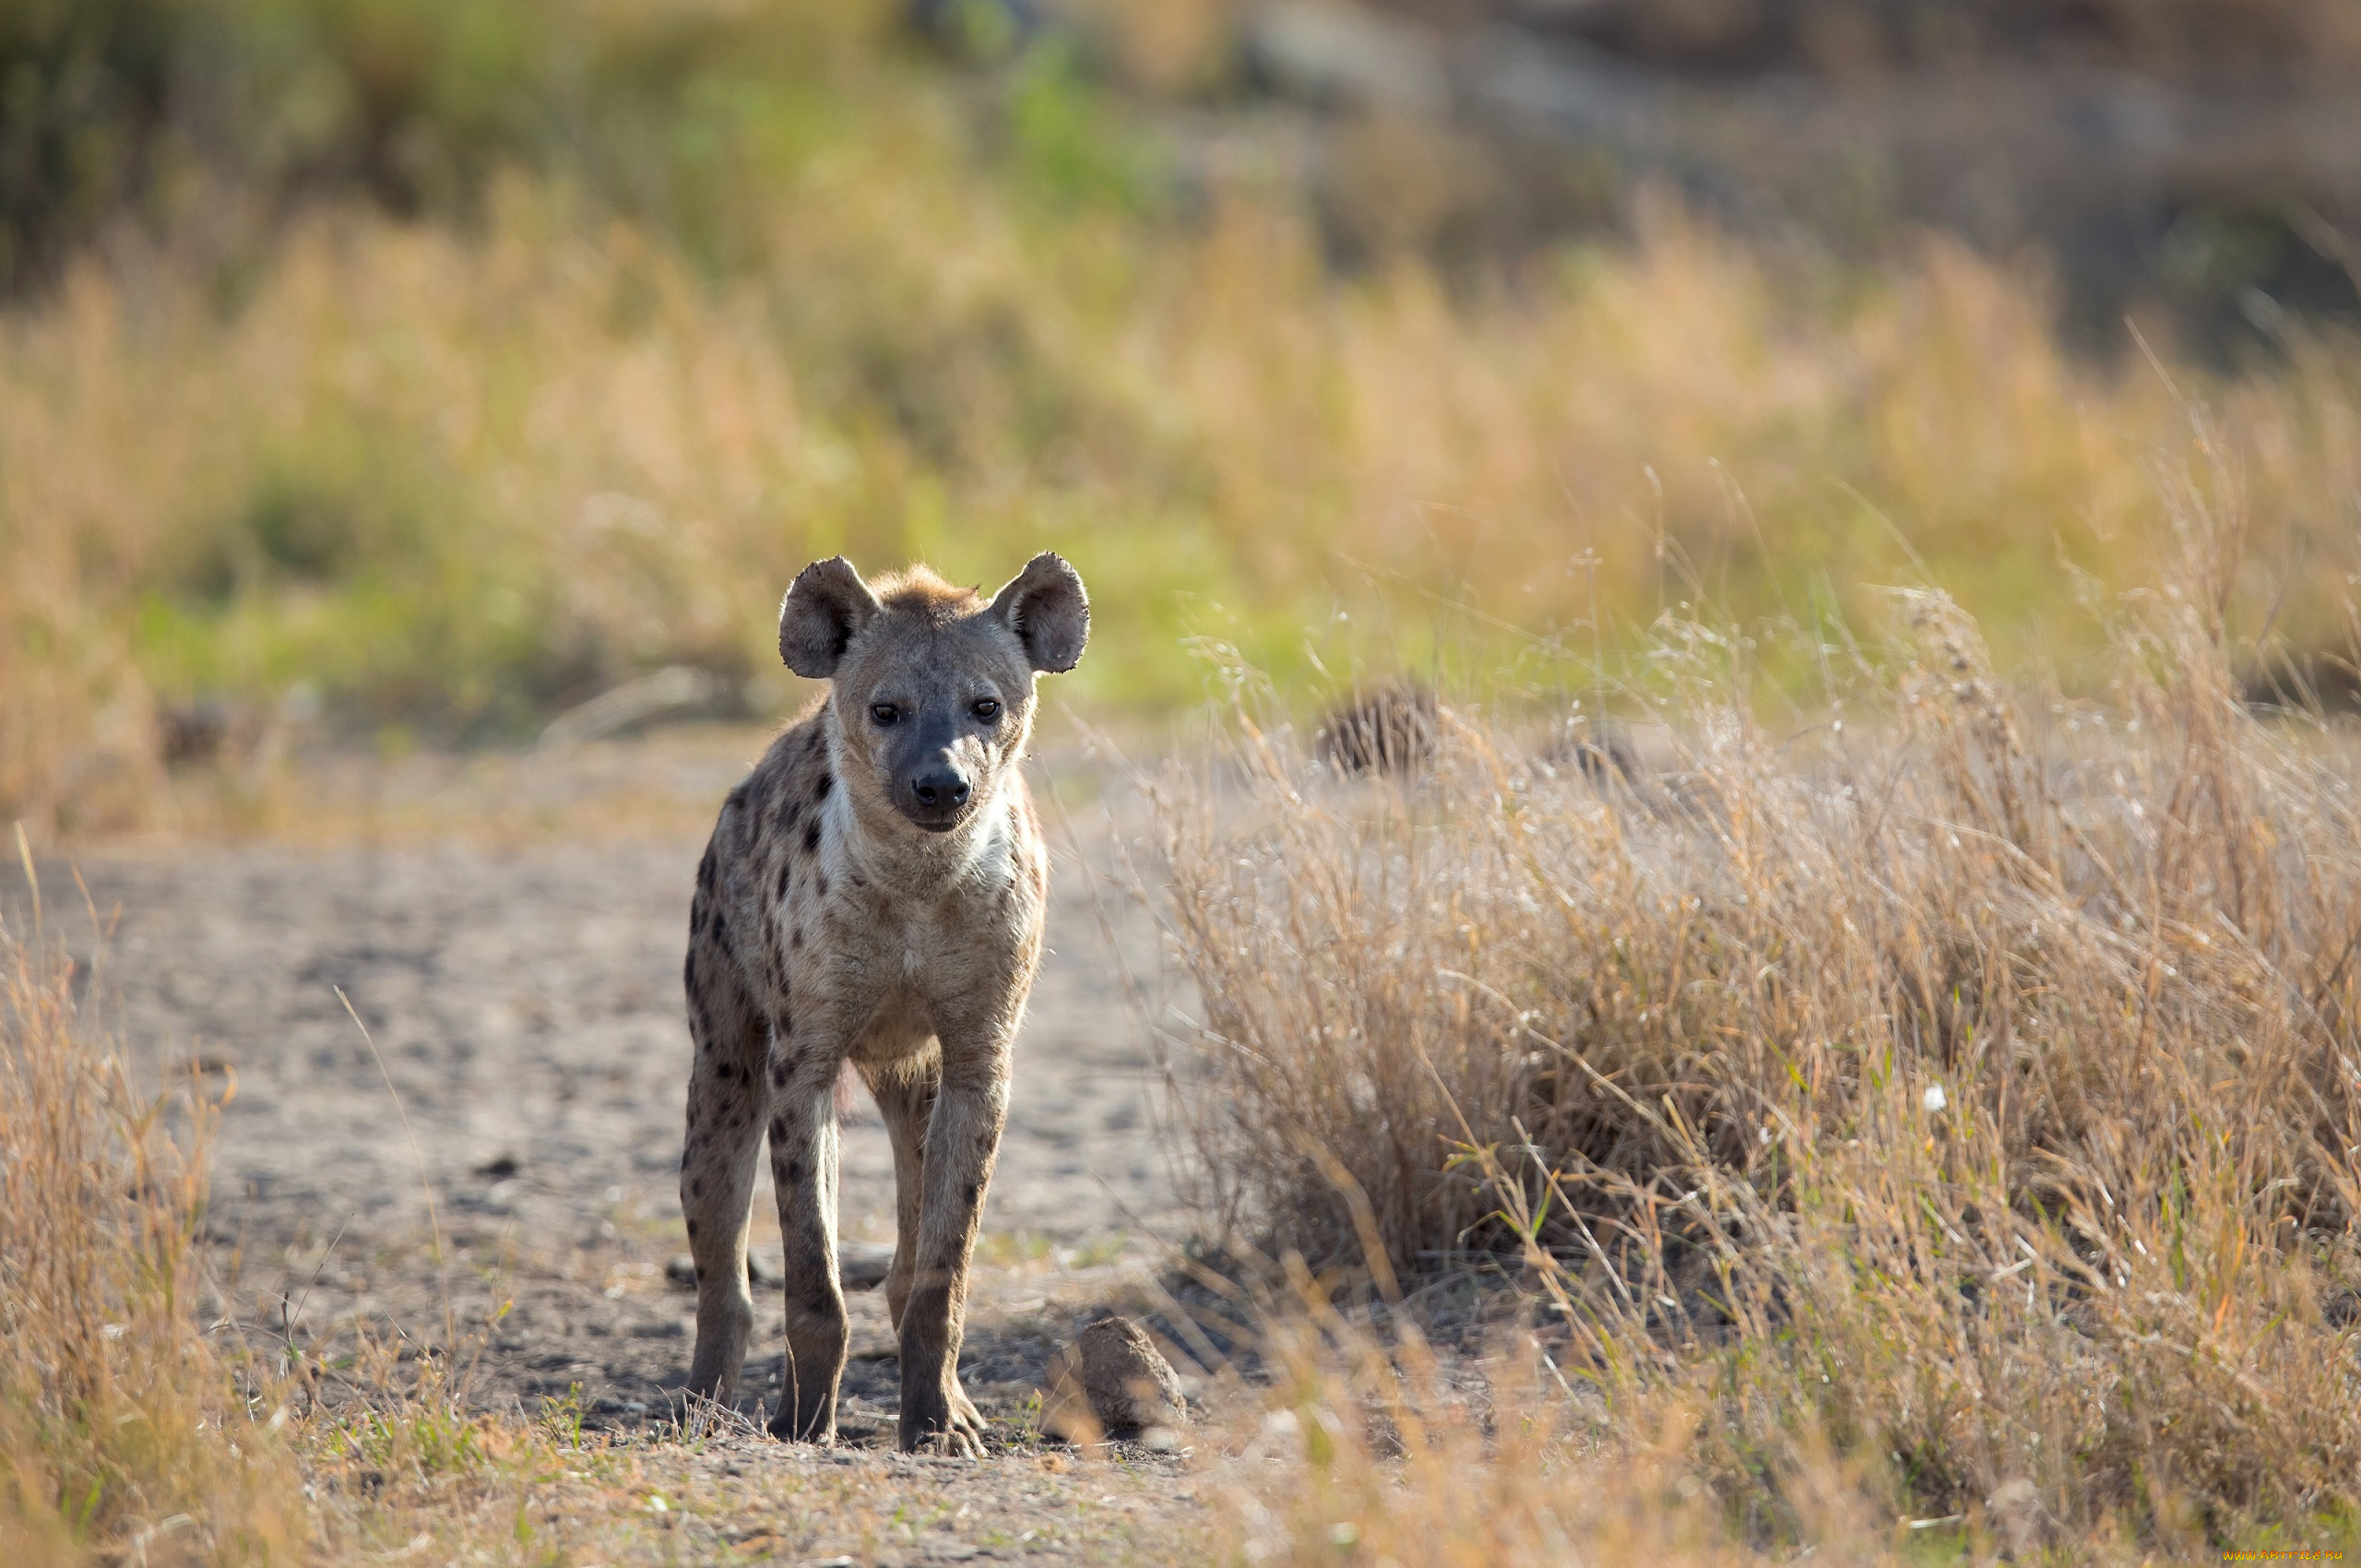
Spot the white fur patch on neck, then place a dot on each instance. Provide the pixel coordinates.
(992, 861)
(980, 852)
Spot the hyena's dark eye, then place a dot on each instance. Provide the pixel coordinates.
(987, 709)
(885, 713)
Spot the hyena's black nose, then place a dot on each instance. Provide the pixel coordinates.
(942, 787)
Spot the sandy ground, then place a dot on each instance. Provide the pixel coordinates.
(525, 1063)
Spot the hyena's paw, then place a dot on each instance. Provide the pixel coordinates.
(947, 1424)
(814, 1427)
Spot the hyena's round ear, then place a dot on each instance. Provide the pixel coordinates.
(1045, 606)
(824, 609)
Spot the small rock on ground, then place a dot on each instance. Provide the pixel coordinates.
(1114, 1383)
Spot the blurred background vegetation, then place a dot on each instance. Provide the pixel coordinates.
(410, 371)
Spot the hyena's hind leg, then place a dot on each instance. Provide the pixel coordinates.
(728, 1104)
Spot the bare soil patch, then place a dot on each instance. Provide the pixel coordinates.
(524, 1001)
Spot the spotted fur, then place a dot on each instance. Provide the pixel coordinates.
(872, 897)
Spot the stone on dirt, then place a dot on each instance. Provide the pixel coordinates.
(1113, 1382)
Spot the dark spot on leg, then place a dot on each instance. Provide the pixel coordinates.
(795, 938)
(695, 1186)
(811, 838)
(784, 868)
(791, 1172)
(720, 927)
(859, 881)
(779, 1074)
(693, 1229)
(824, 884)
(975, 1192)
(689, 970)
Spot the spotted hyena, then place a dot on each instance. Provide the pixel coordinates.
(872, 895)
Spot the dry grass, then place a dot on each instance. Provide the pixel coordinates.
(1949, 1113)
(122, 1432)
(427, 484)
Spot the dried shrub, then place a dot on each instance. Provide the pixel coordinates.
(1387, 729)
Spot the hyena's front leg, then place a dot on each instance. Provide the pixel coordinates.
(728, 1100)
(804, 1170)
(905, 1092)
(962, 1143)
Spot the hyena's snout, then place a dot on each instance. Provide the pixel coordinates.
(943, 788)
(934, 787)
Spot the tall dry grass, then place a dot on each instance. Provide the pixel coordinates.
(1945, 1106)
(123, 1434)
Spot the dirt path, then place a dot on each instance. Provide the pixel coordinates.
(524, 1001)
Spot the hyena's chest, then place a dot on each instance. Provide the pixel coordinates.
(874, 953)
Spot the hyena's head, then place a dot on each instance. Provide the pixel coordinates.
(933, 684)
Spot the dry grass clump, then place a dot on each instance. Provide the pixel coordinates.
(1963, 1092)
(122, 1434)
(1377, 1459)
(1387, 729)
